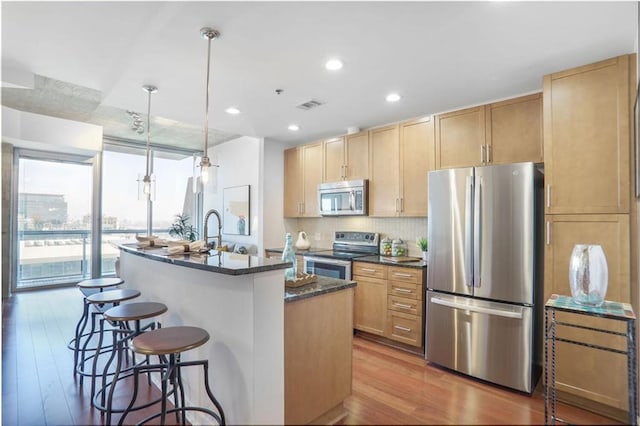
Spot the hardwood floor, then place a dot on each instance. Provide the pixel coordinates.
(389, 386)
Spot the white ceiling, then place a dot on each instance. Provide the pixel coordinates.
(437, 55)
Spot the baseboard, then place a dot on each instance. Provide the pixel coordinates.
(388, 342)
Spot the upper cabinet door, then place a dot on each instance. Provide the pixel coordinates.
(587, 139)
(313, 161)
(334, 161)
(292, 182)
(514, 130)
(417, 158)
(357, 156)
(385, 164)
(460, 138)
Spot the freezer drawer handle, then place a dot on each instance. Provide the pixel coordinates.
(405, 329)
(479, 309)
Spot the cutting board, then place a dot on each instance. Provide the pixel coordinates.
(400, 259)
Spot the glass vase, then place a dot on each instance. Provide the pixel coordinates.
(588, 274)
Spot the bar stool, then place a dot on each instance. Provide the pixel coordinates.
(119, 317)
(98, 302)
(172, 341)
(88, 287)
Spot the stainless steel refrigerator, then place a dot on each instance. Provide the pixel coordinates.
(484, 276)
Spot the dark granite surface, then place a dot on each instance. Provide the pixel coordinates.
(220, 262)
(324, 285)
(379, 259)
(298, 251)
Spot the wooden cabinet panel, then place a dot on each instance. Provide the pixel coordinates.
(417, 158)
(405, 328)
(334, 160)
(293, 182)
(514, 130)
(410, 275)
(384, 162)
(460, 138)
(370, 310)
(409, 290)
(357, 156)
(587, 138)
(312, 176)
(579, 369)
(372, 270)
(404, 304)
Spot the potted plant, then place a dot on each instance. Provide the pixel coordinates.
(181, 229)
(424, 247)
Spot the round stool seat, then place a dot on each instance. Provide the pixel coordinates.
(113, 296)
(135, 311)
(100, 283)
(169, 340)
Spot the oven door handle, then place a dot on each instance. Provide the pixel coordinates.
(327, 260)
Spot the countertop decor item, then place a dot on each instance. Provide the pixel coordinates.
(289, 255)
(181, 228)
(423, 244)
(303, 242)
(398, 248)
(588, 274)
(385, 247)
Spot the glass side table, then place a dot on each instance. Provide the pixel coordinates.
(610, 310)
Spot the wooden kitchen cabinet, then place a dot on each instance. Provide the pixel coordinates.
(586, 373)
(391, 303)
(303, 171)
(401, 157)
(513, 130)
(417, 158)
(347, 157)
(370, 304)
(587, 140)
(460, 138)
(503, 132)
(293, 182)
(384, 168)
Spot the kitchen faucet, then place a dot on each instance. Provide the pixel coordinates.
(206, 228)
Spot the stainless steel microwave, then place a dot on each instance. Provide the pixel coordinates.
(345, 198)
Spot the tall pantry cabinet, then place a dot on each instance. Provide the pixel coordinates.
(588, 190)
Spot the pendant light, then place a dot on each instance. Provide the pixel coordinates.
(205, 163)
(148, 181)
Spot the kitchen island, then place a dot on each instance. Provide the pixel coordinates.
(258, 330)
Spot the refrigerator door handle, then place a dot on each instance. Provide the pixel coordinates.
(478, 309)
(468, 233)
(477, 233)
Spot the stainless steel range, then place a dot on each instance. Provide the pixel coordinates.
(347, 245)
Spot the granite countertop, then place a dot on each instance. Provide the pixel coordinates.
(220, 262)
(324, 285)
(298, 251)
(418, 264)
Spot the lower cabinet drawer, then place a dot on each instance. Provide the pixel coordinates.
(403, 304)
(405, 328)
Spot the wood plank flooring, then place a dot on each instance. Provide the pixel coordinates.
(389, 386)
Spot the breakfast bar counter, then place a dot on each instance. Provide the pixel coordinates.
(263, 336)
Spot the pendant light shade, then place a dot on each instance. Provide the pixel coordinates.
(205, 163)
(146, 185)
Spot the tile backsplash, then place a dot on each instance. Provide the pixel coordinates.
(320, 230)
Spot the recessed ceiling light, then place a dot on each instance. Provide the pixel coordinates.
(294, 127)
(232, 110)
(392, 97)
(333, 64)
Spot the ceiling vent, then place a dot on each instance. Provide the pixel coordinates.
(313, 103)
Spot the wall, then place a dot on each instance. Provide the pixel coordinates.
(239, 161)
(5, 223)
(273, 184)
(321, 230)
